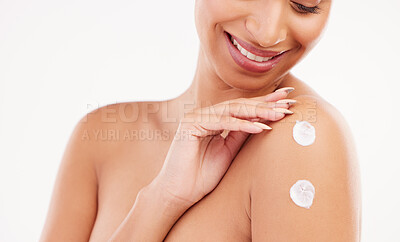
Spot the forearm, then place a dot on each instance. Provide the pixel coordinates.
(151, 217)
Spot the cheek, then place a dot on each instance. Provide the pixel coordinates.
(210, 13)
(206, 13)
(307, 30)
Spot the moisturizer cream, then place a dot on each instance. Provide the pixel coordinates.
(303, 133)
(302, 193)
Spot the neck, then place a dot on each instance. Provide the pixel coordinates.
(208, 88)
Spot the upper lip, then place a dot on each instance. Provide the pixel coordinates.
(254, 50)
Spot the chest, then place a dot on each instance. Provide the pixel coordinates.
(222, 215)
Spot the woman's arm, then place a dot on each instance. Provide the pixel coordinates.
(73, 208)
(330, 164)
(152, 215)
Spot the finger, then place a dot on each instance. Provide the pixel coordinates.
(205, 125)
(257, 102)
(234, 140)
(245, 108)
(271, 97)
(276, 95)
(254, 109)
(248, 112)
(272, 100)
(255, 119)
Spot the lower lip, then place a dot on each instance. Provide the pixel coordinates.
(248, 64)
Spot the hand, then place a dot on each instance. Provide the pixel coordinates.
(199, 155)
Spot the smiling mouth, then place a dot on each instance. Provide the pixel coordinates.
(250, 58)
(249, 54)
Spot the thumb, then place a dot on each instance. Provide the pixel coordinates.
(234, 141)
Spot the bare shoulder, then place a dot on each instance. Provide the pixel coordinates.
(315, 144)
(110, 127)
(73, 206)
(122, 114)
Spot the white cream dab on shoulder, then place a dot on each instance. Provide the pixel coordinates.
(303, 133)
(302, 193)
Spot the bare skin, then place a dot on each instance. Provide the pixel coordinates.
(120, 149)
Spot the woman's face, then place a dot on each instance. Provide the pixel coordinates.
(267, 25)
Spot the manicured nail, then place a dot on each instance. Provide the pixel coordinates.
(288, 101)
(285, 89)
(261, 125)
(282, 110)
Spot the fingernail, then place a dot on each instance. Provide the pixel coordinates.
(282, 110)
(261, 125)
(285, 89)
(288, 101)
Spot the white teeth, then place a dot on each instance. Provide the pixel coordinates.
(249, 55)
(243, 51)
(259, 58)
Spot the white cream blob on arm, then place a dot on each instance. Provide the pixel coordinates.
(303, 133)
(302, 193)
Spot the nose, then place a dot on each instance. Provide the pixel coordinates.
(267, 23)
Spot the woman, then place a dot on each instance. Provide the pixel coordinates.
(199, 167)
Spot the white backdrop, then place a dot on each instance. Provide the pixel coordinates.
(59, 59)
